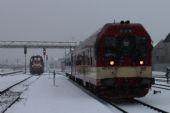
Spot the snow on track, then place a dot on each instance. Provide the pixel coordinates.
(65, 97)
(161, 99)
(7, 81)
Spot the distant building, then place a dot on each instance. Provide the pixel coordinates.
(61, 64)
(161, 54)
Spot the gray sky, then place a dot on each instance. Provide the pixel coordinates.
(75, 20)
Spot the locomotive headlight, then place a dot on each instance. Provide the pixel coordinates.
(141, 62)
(112, 62)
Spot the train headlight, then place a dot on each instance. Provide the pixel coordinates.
(112, 62)
(141, 62)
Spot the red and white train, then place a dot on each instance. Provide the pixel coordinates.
(115, 60)
(36, 65)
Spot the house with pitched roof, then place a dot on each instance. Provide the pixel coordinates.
(161, 55)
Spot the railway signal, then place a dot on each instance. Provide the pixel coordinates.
(44, 54)
(44, 51)
(25, 52)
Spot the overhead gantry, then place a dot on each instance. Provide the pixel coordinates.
(37, 44)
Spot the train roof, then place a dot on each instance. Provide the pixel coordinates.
(90, 41)
(36, 56)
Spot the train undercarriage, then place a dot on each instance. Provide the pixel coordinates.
(118, 87)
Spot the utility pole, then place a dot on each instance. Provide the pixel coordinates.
(25, 52)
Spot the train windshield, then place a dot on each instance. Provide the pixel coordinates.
(110, 47)
(118, 47)
(141, 44)
(125, 46)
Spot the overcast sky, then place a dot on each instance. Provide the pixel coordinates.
(75, 20)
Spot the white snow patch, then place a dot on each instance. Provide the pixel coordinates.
(9, 80)
(65, 97)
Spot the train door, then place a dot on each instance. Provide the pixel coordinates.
(84, 68)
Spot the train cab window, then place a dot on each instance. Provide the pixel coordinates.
(126, 46)
(110, 41)
(141, 43)
(126, 43)
(110, 46)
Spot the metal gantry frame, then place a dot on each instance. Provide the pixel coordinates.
(37, 44)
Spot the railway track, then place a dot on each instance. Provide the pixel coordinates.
(161, 86)
(159, 76)
(9, 97)
(9, 73)
(155, 86)
(149, 106)
(114, 104)
(134, 103)
(160, 80)
(5, 90)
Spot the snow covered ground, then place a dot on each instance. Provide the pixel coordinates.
(64, 97)
(43, 97)
(3, 71)
(7, 81)
(158, 73)
(160, 99)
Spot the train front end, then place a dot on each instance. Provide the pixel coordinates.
(36, 65)
(123, 60)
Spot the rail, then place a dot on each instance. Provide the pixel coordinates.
(1, 92)
(152, 107)
(9, 73)
(111, 102)
(11, 96)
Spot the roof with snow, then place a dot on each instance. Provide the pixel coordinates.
(167, 39)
